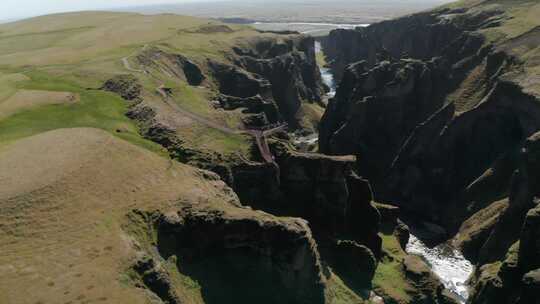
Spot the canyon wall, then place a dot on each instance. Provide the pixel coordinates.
(428, 105)
(441, 109)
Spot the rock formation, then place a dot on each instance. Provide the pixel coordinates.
(280, 72)
(443, 118)
(430, 287)
(239, 245)
(322, 189)
(127, 86)
(429, 106)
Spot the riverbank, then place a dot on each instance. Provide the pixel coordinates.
(452, 268)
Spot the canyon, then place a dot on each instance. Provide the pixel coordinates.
(440, 109)
(195, 161)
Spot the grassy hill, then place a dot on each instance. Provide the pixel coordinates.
(64, 197)
(45, 57)
(76, 174)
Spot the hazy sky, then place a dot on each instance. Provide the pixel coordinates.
(11, 9)
(22, 8)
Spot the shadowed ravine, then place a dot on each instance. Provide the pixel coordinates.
(445, 261)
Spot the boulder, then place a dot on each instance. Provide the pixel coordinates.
(355, 258)
(402, 234)
(529, 249)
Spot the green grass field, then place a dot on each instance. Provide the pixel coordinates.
(389, 278)
(96, 109)
(75, 51)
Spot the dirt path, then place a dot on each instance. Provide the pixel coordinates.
(260, 135)
(127, 65)
(177, 107)
(196, 117)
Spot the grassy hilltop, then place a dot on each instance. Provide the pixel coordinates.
(78, 179)
(44, 58)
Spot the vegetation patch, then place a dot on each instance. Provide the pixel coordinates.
(389, 281)
(95, 109)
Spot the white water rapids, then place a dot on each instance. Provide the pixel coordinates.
(447, 263)
(326, 74)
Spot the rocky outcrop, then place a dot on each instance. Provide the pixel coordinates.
(355, 264)
(127, 86)
(286, 246)
(258, 112)
(402, 233)
(172, 65)
(237, 82)
(156, 279)
(252, 255)
(531, 288)
(321, 189)
(529, 248)
(421, 36)
(429, 131)
(513, 238)
(430, 289)
(282, 71)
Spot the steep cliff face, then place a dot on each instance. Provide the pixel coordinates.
(283, 71)
(441, 109)
(513, 238)
(425, 129)
(376, 109)
(236, 246)
(321, 189)
(421, 36)
(260, 81)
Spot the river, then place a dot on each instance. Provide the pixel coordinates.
(447, 263)
(326, 74)
(306, 143)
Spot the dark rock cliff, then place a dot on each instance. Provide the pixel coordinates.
(427, 108)
(513, 238)
(321, 189)
(235, 254)
(282, 71)
(443, 117)
(267, 80)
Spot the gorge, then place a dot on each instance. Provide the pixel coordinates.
(170, 159)
(440, 109)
